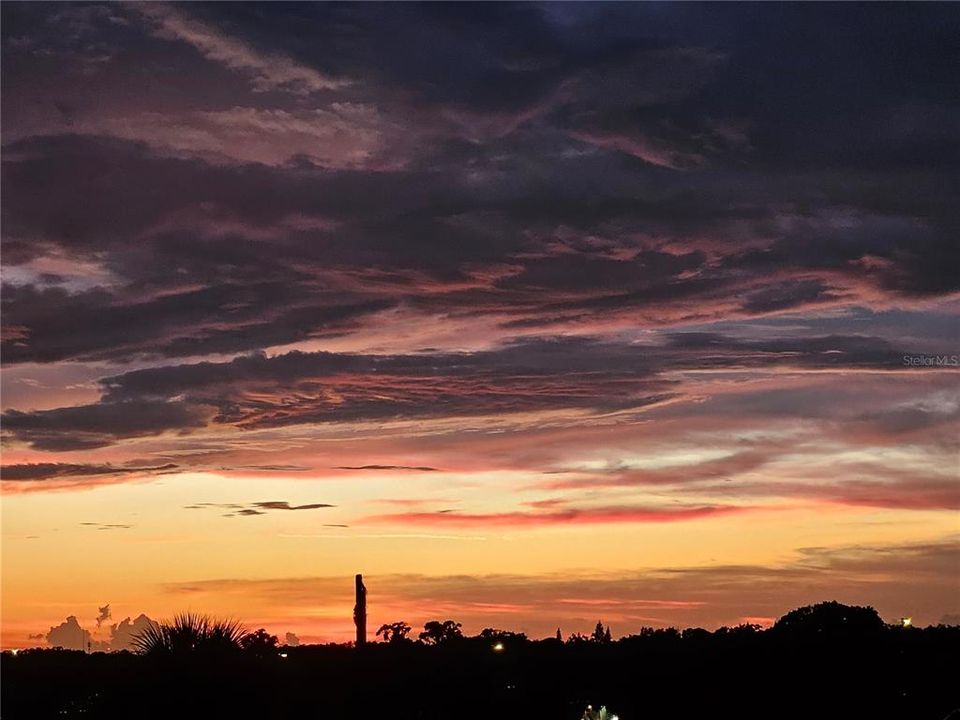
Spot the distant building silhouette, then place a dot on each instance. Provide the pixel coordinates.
(360, 611)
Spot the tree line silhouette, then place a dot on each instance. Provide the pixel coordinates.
(826, 661)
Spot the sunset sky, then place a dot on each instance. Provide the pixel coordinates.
(533, 314)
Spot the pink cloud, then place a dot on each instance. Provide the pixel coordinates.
(559, 516)
(647, 149)
(267, 71)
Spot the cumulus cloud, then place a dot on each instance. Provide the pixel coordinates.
(71, 635)
(122, 634)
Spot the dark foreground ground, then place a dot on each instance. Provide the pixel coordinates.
(897, 673)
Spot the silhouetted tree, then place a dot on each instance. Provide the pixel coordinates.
(601, 634)
(738, 636)
(559, 635)
(830, 618)
(436, 632)
(695, 634)
(260, 643)
(893, 674)
(394, 632)
(660, 635)
(502, 635)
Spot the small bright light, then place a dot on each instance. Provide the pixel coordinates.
(906, 622)
(614, 717)
(14, 651)
(283, 655)
(498, 647)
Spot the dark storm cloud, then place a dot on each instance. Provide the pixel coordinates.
(534, 169)
(225, 292)
(550, 168)
(257, 391)
(211, 320)
(38, 472)
(86, 427)
(866, 244)
(787, 295)
(191, 287)
(301, 388)
(705, 350)
(589, 360)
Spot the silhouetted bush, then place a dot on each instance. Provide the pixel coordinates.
(260, 643)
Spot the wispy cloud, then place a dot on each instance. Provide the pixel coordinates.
(559, 516)
(256, 508)
(416, 468)
(41, 472)
(267, 71)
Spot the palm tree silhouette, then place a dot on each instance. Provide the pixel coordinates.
(188, 633)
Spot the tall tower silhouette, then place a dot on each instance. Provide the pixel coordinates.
(360, 611)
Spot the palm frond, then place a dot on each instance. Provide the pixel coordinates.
(153, 638)
(190, 632)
